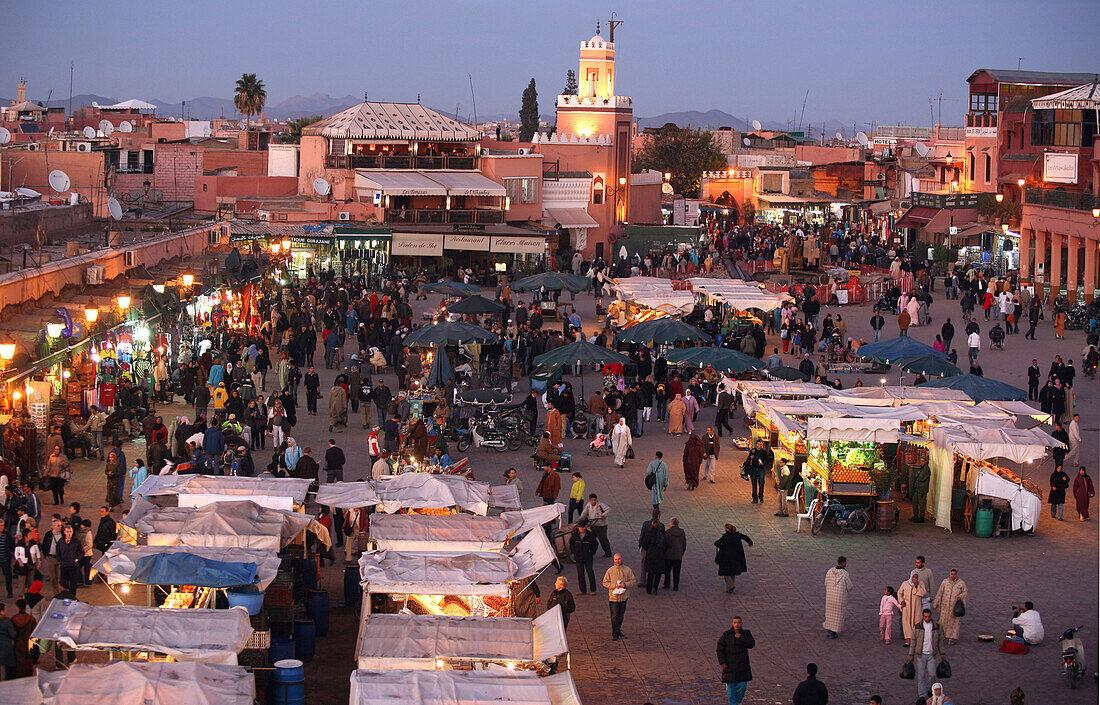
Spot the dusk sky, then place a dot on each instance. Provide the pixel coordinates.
(860, 61)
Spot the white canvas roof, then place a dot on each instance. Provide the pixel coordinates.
(404, 121)
(134, 683)
(460, 533)
(467, 183)
(210, 636)
(504, 497)
(849, 429)
(1018, 408)
(242, 524)
(347, 495)
(397, 641)
(490, 687)
(738, 294)
(655, 293)
(132, 104)
(527, 519)
(158, 485)
(118, 563)
(398, 183)
(420, 490)
(572, 218)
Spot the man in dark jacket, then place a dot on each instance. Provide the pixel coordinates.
(733, 654)
(811, 691)
(313, 390)
(334, 462)
(583, 545)
(106, 532)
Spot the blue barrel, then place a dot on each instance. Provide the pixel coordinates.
(305, 639)
(309, 574)
(280, 649)
(288, 683)
(352, 589)
(317, 609)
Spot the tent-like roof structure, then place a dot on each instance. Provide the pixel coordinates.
(1084, 97)
(132, 104)
(421, 490)
(242, 524)
(663, 331)
(133, 683)
(159, 485)
(738, 293)
(118, 564)
(403, 121)
(209, 636)
(460, 533)
(490, 687)
(655, 293)
(979, 388)
(899, 348)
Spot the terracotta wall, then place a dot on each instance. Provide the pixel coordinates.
(209, 188)
(177, 167)
(58, 221)
(246, 163)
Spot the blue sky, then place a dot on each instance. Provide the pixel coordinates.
(860, 61)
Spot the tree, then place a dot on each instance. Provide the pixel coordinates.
(529, 113)
(250, 96)
(293, 135)
(683, 152)
(570, 83)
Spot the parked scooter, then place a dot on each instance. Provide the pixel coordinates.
(1073, 656)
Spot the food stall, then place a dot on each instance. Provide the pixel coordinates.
(282, 493)
(841, 457)
(751, 391)
(647, 298)
(457, 533)
(204, 635)
(242, 524)
(419, 494)
(736, 302)
(491, 687)
(429, 641)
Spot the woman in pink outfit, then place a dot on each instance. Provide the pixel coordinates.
(886, 607)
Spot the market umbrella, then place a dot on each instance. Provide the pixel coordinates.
(476, 304)
(900, 348)
(721, 359)
(786, 373)
(552, 281)
(581, 352)
(662, 331)
(449, 333)
(484, 396)
(980, 388)
(451, 288)
(931, 365)
(441, 371)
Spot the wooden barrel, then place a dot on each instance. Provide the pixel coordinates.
(884, 515)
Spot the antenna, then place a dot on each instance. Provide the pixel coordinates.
(59, 181)
(803, 108)
(126, 126)
(5, 135)
(472, 98)
(611, 25)
(756, 125)
(89, 132)
(1019, 61)
(322, 187)
(106, 127)
(114, 208)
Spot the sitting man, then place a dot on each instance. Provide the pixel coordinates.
(1029, 626)
(546, 452)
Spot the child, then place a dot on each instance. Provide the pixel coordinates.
(886, 608)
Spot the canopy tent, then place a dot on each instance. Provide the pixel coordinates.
(890, 351)
(931, 365)
(441, 371)
(887, 396)
(448, 288)
(662, 331)
(347, 495)
(832, 428)
(488, 687)
(449, 333)
(979, 388)
(132, 104)
(458, 533)
(738, 294)
(413, 641)
(721, 359)
(119, 563)
(1084, 97)
(209, 636)
(134, 683)
(504, 497)
(552, 281)
(476, 304)
(1017, 409)
(581, 352)
(242, 524)
(750, 391)
(654, 293)
(225, 488)
(421, 490)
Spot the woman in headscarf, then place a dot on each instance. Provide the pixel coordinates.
(938, 697)
(693, 458)
(621, 440)
(115, 473)
(292, 455)
(1083, 492)
(676, 412)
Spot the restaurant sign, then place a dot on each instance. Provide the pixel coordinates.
(476, 243)
(518, 244)
(417, 244)
(1060, 168)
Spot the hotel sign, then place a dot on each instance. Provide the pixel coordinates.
(1060, 168)
(417, 244)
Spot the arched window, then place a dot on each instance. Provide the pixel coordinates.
(597, 191)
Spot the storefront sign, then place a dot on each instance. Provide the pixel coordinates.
(972, 132)
(417, 244)
(1060, 168)
(469, 227)
(313, 240)
(476, 243)
(518, 244)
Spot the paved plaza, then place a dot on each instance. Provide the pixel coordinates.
(668, 656)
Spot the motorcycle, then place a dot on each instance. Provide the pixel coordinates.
(854, 519)
(1073, 656)
(487, 434)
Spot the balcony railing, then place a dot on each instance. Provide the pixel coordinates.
(1062, 199)
(429, 216)
(399, 161)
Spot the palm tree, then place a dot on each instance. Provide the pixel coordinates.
(251, 96)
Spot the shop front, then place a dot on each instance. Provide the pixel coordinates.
(350, 251)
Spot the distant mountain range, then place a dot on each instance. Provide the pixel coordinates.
(715, 119)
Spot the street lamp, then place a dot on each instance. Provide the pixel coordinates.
(275, 247)
(286, 245)
(91, 314)
(1021, 182)
(188, 280)
(123, 302)
(1000, 197)
(7, 351)
(1096, 212)
(54, 329)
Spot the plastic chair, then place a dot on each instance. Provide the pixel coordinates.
(793, 496)
(808, 516)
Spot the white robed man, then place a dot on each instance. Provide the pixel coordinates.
(837, 586)
(910, 595)
(952, 591)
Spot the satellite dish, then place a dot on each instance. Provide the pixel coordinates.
(921, 149)
(95, 104)
(747, 142)
(756, 124)
(666, 188)
(242, 124)
(89, 132)
(5, 135)
(839, 136)
(59, 181)
(106, 127)
(321, 186)
(27, 192)
(126, 126)
(862, 139)
(114, 208)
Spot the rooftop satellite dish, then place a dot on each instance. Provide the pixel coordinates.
(27, 192)
(5, 135)
(106, 127)
(59, 181)
(746, 142)
(921, 149)
(89, 132)
(95, 104)
(126, 126)
(862, 139)
(756, 124)
(322, 187)
(839, 136)
(114, 208)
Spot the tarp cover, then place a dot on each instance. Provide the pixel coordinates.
(134, 683)
(504, 497)
(242, 524)
(189, 569)
(490, 687)
(527, 519)
(1018, 408)
(347, 495)
(848, 429)
(118, 563)
(210, 636)
(461, 533)
(156, 485)
(421, 490)
(738, 293)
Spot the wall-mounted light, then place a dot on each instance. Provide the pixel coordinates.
(1021, 182)
(54, 329)
(123, 301)
(1000, 197)
(159, 288)
(91, 314)
(188, 279)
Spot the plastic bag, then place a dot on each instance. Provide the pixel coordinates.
(960, 609)
(908, 671)
(943, 670)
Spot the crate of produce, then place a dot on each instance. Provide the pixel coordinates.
(259, 640)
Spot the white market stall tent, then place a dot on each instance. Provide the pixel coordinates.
(459, 533)
(419, 491)
(655, 293)
(738, 294)
(347, 495)
(134, 683)
(199, 490)
(118, 564)
(861, 430)
(208, 636)
(422, 687)
(242, 524)
(417, 641)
